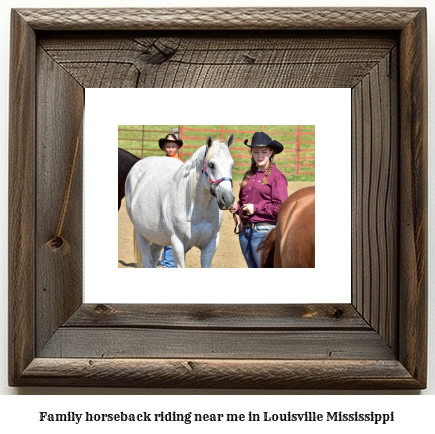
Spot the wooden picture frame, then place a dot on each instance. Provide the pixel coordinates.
(376, 342)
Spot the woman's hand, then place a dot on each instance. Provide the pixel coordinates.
(234, 207)
(248, 209)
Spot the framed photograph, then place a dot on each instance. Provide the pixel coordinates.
(377, 341)
(106, 129)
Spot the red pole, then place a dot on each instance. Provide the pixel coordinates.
(298, 149)
(181, 138)
(222, 134)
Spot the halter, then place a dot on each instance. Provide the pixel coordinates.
(213, 184)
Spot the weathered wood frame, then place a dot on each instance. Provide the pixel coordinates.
(377, 341)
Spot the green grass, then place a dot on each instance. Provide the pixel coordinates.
(135, 137)
(300, 178)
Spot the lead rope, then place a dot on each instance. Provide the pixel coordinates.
(241, 225)
(236, 222)
(59, 244)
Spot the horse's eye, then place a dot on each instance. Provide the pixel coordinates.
(211, 165)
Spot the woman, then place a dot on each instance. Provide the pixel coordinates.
(262, 191)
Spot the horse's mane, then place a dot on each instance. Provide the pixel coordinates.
(190, 176)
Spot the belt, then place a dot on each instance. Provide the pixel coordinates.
(251, 225)
(248, 224)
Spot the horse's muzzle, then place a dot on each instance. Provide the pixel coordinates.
(225, 201)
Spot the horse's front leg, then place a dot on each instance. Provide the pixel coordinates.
(208, 252)
(178, 252)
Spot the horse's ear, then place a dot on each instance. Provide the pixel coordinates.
(230, 140)
(209, 141)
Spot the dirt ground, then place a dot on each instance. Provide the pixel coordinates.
(228, 253)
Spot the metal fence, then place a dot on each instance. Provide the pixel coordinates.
(297, 158)
(141, 138)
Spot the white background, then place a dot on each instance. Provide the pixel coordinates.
(328, 109)
(19, 412)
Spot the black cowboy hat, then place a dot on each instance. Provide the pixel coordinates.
(167, 139)
(262, 139)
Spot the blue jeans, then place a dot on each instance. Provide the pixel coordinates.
(249, 240)
(167, 258)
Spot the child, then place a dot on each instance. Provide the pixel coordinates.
(170, 144)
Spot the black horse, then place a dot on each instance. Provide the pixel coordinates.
(125, 162)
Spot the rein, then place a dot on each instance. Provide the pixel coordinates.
(213, 184)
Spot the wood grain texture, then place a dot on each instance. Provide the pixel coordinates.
(378, 342)
(413, 196)
(236, 60)
(59, 278)
(126, 342)
(220, 317)
(228, 374)
(375, 198)
(21, 197)
(220, 18)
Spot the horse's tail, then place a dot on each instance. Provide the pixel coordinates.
(137, 252)
(267, 249)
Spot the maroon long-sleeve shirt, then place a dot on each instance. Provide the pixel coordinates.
(267, 199)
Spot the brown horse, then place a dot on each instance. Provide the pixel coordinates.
(125, 162)
(292, 243)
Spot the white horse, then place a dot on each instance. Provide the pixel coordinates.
(180, 205)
